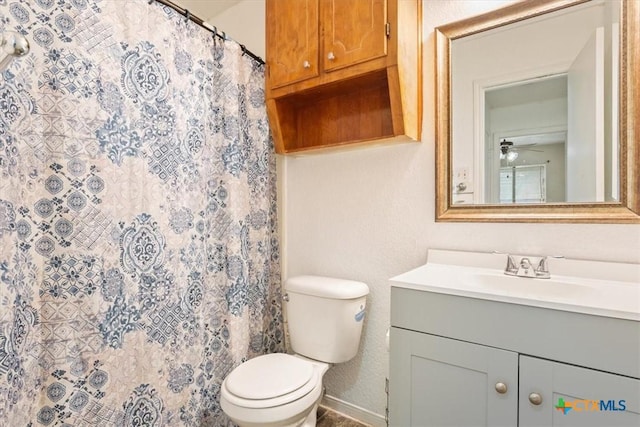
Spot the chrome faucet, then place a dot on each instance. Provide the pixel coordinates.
(525, 267)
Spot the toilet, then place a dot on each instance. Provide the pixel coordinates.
(325, 317)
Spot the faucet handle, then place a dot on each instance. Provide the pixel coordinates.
(542, 266)
(542, 270)
(511, 268)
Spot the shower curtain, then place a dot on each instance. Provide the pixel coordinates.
(139, 256)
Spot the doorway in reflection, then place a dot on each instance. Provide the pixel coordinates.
(529, 168)
(526, 141)
(552, 128)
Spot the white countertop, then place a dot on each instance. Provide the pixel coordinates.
(591, 287)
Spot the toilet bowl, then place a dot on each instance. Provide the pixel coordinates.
(274, 390)
(325, 317)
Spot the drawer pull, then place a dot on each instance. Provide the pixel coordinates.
(535, 398)
(501, 388)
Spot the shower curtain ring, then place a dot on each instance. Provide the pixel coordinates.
(187, 15)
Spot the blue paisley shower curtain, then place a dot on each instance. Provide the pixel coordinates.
(138, 232)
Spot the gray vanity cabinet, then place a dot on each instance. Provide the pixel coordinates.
(600, 399)
(443, 382)
(459, 361)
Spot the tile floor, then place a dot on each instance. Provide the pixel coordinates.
(330, 418)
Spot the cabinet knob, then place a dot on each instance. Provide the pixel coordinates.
(306, 64)
(535, 398)
(331, 56)
(501, 388)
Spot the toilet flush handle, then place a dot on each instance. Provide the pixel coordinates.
(285, 297)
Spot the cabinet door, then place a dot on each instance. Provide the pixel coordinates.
(354, 31)
(438, 381)
(574, 396)
(292, 40)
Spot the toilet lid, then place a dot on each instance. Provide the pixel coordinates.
(270, 376)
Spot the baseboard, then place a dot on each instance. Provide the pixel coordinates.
(353, 411)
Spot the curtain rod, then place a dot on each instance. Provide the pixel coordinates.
(208, 26)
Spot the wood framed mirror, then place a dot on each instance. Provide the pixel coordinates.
(479, 136)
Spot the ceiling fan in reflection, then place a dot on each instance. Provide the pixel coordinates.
(509, 151)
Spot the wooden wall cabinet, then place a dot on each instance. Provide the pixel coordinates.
(343, 72)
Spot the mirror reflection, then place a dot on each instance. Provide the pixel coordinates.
(534, 109)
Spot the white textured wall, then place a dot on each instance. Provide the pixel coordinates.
(368, 215)
(245, 23)
(242, 20)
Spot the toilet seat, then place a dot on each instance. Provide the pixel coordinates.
(270, 380)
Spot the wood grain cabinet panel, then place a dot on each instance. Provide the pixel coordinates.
(353, 32)
(292, 37)
(343, 72)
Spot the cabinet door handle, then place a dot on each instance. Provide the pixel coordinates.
(501, 388)
(535, 398)
(306, 64)
(331, 56)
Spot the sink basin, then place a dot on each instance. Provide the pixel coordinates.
(533, 288)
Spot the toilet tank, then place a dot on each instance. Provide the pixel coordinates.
(325, 317)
